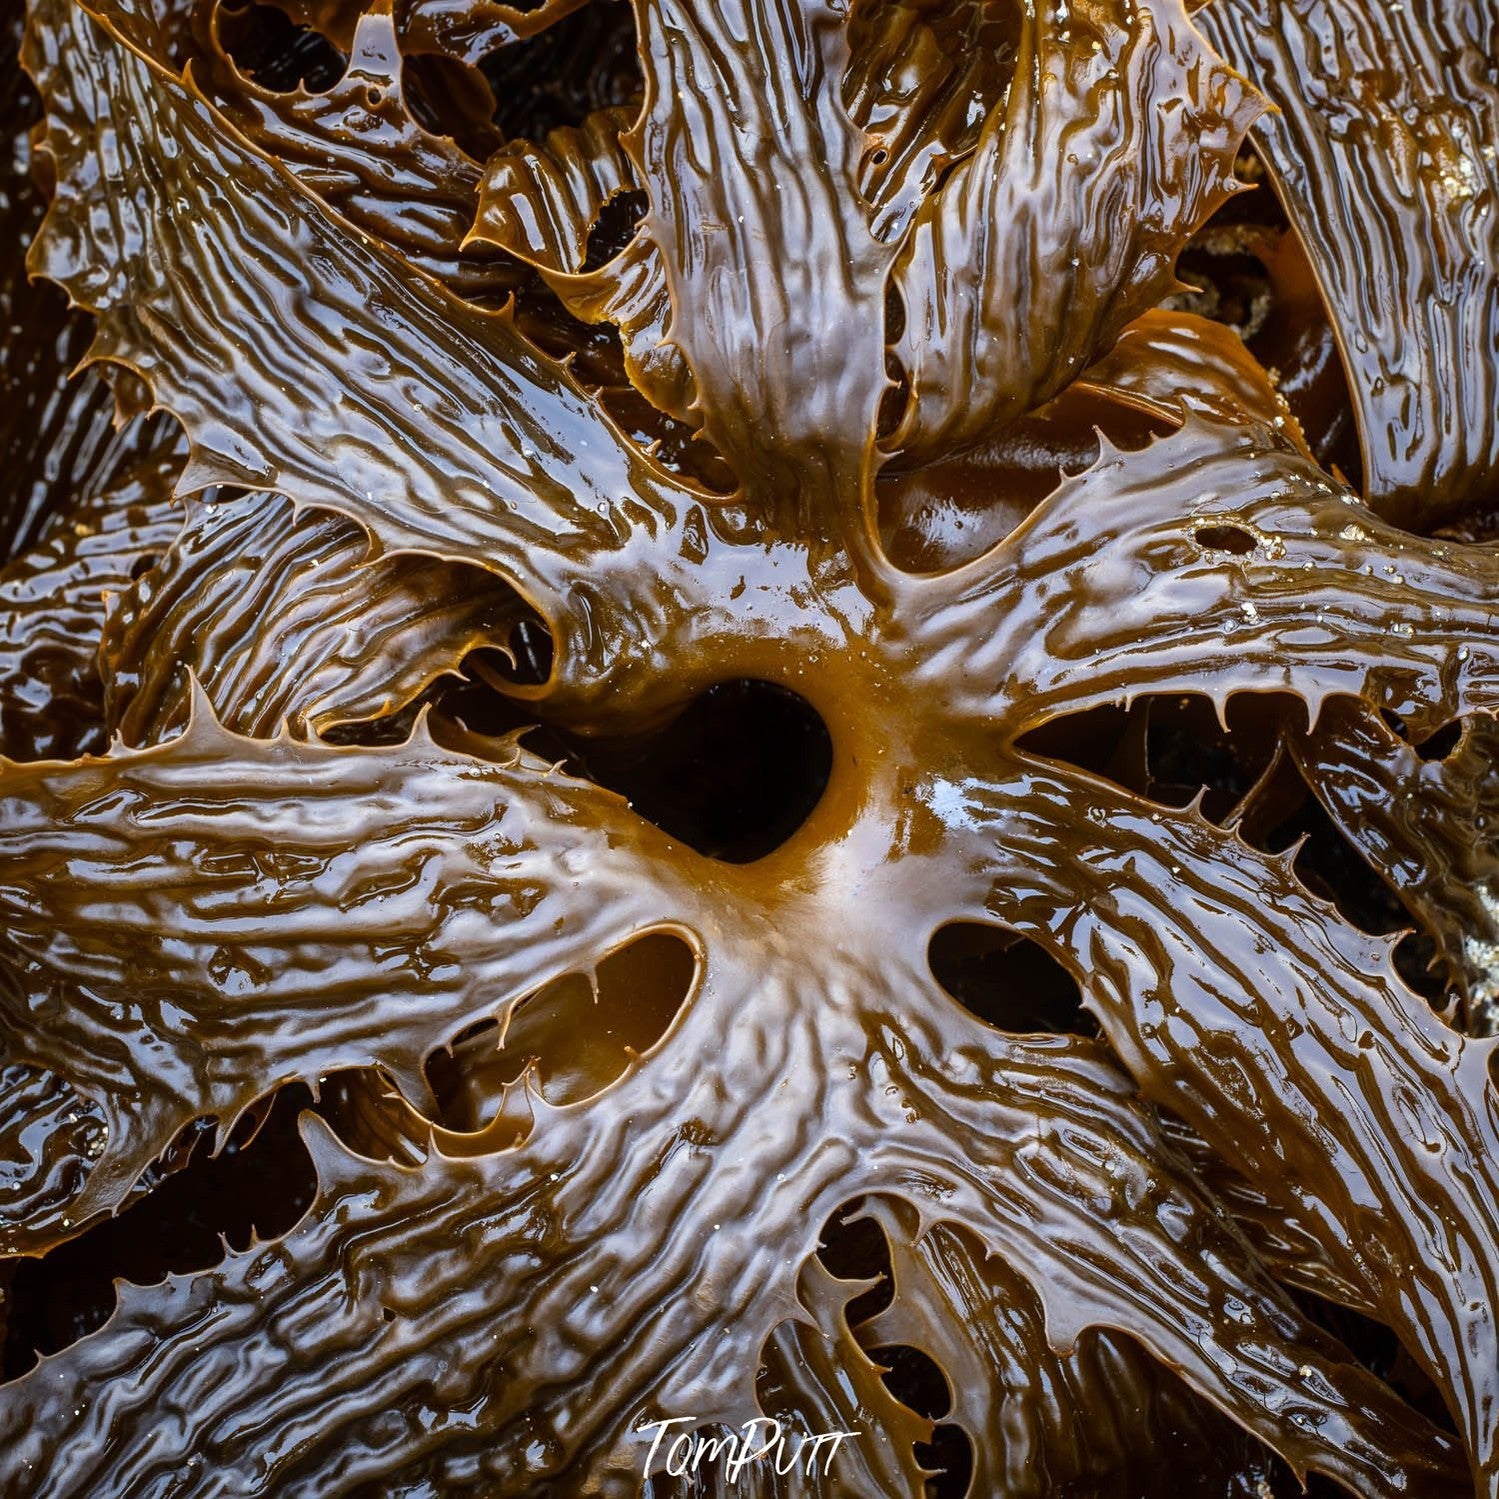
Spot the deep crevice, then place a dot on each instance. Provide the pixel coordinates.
(583, 62)
(260, 1184)
(1377, 1349)
(915, 1379)
(1439, 744)
(448, 97)
(270, 48)
(614, 228)
(949, 1456)
(1331, 867)
(1171, 749)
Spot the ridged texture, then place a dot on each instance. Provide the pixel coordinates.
(459, 1385)
(922, 78)
(284, 621)
(529, 474)
(1235, 996)
(1384, 154)
(1429, 826)
(57, 433)
(1218, 559)
(53, 605)
(1116, 139)
(1020, 1401)
(793, 410)
(1279, 1236)
(539, 201)
(358, 147)
(467, 30)
(50, 1136)
(550, 1253)
(1168, 363)
(252, 896)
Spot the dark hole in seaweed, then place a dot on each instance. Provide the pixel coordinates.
(1331, 867)
(1087, 740)
(583, 62)
(915, 1379)
(1007, 980)
(949, 1456)
(1233, 539)
(733, 776)
(447, 97)
(1232, 289)
(1441, 743)
(573, 1036)
(269, 47)
(260, 1183)
(1172, 748)
(854, 1248)
(614, 228)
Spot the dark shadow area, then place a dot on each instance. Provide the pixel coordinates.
(854, 1248)
(1438, 745)
(1377, 1348)
(259, 1184)
(585, 61)
(1007, 980)
(1246, 268)
(915, 1379)
(949, 1456)
(734, 775)
(1173, 749)
(614, 228)
(941, 515)
(267, 46)
(1330, 866)
(448, 97)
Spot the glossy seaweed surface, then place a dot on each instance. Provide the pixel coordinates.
(780, 708)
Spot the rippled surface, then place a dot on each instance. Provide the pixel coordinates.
(792, 412)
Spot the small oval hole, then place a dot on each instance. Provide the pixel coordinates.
(1008, 981)
(1225, 539)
